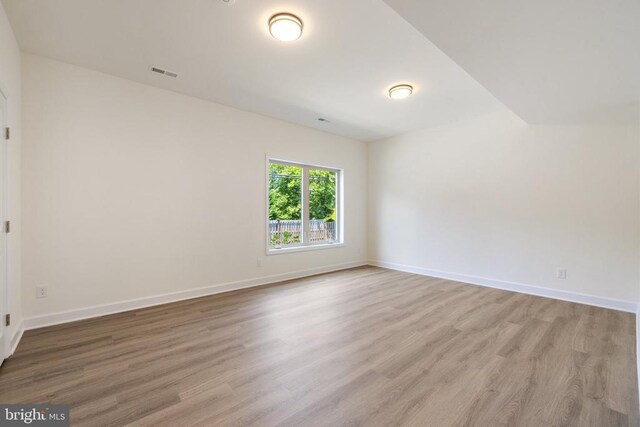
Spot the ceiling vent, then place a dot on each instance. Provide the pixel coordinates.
(164, 72)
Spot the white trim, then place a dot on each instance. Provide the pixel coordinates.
(5, 350)
(17, 336)
(306, 215)
(118, 307)
(577, 297)
(304, 248)
(4, 92)
(638, 349)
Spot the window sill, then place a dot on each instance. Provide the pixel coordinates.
(304, 248)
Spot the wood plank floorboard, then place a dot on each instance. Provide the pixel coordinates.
(365, 346)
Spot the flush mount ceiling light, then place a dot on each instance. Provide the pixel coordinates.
(400, 91)
(285, 27)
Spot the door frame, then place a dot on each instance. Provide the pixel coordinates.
(5, 345)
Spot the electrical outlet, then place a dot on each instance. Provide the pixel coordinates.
(259, 262)
(42, 291)
(562, 273)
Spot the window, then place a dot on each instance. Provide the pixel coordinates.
(304, 208)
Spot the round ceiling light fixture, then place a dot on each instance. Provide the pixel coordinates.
(400, 91)
(285, 27)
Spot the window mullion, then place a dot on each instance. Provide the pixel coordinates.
(338, 205)
(305, 205)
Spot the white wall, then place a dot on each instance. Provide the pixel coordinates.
(10, 82)
(132, 191)
(494, 198)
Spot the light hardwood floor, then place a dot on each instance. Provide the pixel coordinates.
(365, 346)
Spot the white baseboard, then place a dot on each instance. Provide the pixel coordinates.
(597, 301)
(17, 336)
(118, 307)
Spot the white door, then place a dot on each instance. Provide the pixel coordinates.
(4, 339)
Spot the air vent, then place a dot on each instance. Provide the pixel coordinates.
(164, 72)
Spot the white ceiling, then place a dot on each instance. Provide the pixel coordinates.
(351, 52)
(549, 61)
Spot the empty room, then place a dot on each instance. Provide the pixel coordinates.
(319, 213)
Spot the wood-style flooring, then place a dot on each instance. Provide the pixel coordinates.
(365, 346)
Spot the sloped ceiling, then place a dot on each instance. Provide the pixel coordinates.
(351, 52)
(549, 61)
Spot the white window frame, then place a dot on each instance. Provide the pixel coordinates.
(305, 245)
